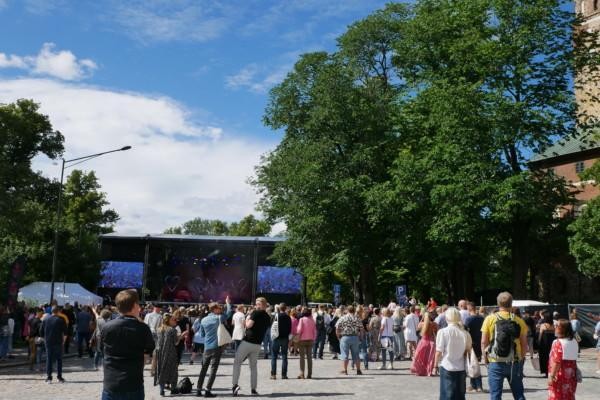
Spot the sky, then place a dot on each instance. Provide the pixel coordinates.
(184, 82)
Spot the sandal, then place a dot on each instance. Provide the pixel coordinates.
(344, 372)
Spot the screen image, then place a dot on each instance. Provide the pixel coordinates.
(279, 280)
(121, 274)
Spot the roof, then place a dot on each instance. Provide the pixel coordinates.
(566, 146)
(169, 236)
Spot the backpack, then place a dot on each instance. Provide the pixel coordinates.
(320, 321)
(506, 331)
(184, 386)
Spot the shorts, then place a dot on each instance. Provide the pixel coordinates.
(349, 345)
(198, 347)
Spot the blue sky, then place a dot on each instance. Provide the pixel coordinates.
(185, 82)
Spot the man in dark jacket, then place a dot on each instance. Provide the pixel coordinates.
(125, 340)
(281, 342)
(54, 331)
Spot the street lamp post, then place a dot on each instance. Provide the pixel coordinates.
(59, 208)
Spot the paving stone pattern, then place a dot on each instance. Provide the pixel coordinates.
(18, 383)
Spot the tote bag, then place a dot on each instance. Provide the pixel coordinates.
(275, 328)
(223, 336)
(473, 369)
(535, 363)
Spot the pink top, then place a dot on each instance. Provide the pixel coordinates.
(307, 329)
(294, 325)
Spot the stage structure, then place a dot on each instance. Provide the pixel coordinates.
(196, 269)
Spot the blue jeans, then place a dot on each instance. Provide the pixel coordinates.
(54, 353)
(349, 344)
(83, 337)
(137, 395)
(363, 350)
(267, 343)
(497, 371)
(319, 344)
(476, 383)
(99, 356)
(452, 384)
(388, 350)
(279, 345)
(3, 346)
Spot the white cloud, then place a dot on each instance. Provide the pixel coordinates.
(178, 168)
(256, 78)
(165, 20)
(61, 64)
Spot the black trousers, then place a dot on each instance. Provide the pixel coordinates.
(210, 358)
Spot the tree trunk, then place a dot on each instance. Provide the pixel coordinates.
(520, 259)
(367, 282)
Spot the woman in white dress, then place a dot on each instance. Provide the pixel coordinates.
(238, 321)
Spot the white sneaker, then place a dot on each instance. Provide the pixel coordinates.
(598, 372)
(381, 367)
(391, 366)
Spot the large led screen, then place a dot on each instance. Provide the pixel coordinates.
(121, 274)
(203, 274)
(283, 280)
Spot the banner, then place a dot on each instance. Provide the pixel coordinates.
(17, 270)
(401, 297)
(337, 294)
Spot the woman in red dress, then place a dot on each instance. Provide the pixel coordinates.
(424, 360)
(562, 366)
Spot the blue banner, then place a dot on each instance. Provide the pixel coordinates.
(337, 294)
(401, 296)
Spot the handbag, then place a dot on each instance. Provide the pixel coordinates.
(535, 363)
(473, 369)
(578, 375)
(275, 328)
(223, 336)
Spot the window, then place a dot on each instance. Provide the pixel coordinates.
(579, 167)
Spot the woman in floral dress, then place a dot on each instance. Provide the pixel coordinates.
(562, 366)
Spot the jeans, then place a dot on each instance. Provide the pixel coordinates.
(387, 350)
(54, 353)
(279, 345)
(3, 346)
(137, 395)
(497, 371)
(363, 348)
(99, 356)
(210, 358)
(452, 384)
(476, 383)
(319, 344)
(350, 344)
(250, 351)
(81, 338)
(267, 343)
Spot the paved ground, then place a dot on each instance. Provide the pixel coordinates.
(17, 382)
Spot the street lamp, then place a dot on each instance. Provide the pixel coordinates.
(59, 208)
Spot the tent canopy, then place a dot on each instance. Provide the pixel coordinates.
(527, 303)
(39, 293)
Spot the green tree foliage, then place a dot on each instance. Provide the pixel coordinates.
(405, 153)
(248, 226)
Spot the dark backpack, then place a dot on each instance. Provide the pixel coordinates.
(506, 331)
(184, 386)
(320, 322)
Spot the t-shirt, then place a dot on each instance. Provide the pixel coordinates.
(83, 321)
(125, 340)
(388, 327)
(262, 321)
(489, 329)
(53, 329)
(349, 325)
(284, 323)
(473, 325)
(452, 342)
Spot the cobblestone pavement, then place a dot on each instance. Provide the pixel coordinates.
(18, 383)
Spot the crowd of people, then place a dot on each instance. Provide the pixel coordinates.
(447, 342)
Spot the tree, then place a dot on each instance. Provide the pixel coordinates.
(248, 226)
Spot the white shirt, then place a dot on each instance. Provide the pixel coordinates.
(464, 314)
(238, 320)
(153, 321)
(411, 322)
(452, 342)
(570, 349)
(387, 326)
(326, 317)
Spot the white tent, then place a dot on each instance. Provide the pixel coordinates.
(39, 293)
(527, 303)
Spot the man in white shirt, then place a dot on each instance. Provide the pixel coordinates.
(464, 312)
(153, 320)
(451, 346)
(322, 321)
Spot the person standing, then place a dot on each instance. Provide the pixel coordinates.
(307, 332)
(374, 328)
(322, 320)
(35, 340)
(209, 328)
(411, 323)
(386, 338)
(70, 314)
(153, 320)
(101, 320)
(281, 342)
(84, 321)
(167, 363)
(238, 320)
(512, 335)
(424, 360)
(473, 325)
(451, 345)
(256, 325)
(597, 337)
(125, 340)
(464, 312)
(562, 366)
(545, 339)
(198, 339)
(54, 330)
(334, 341)
(349, 329)
(398, 327)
